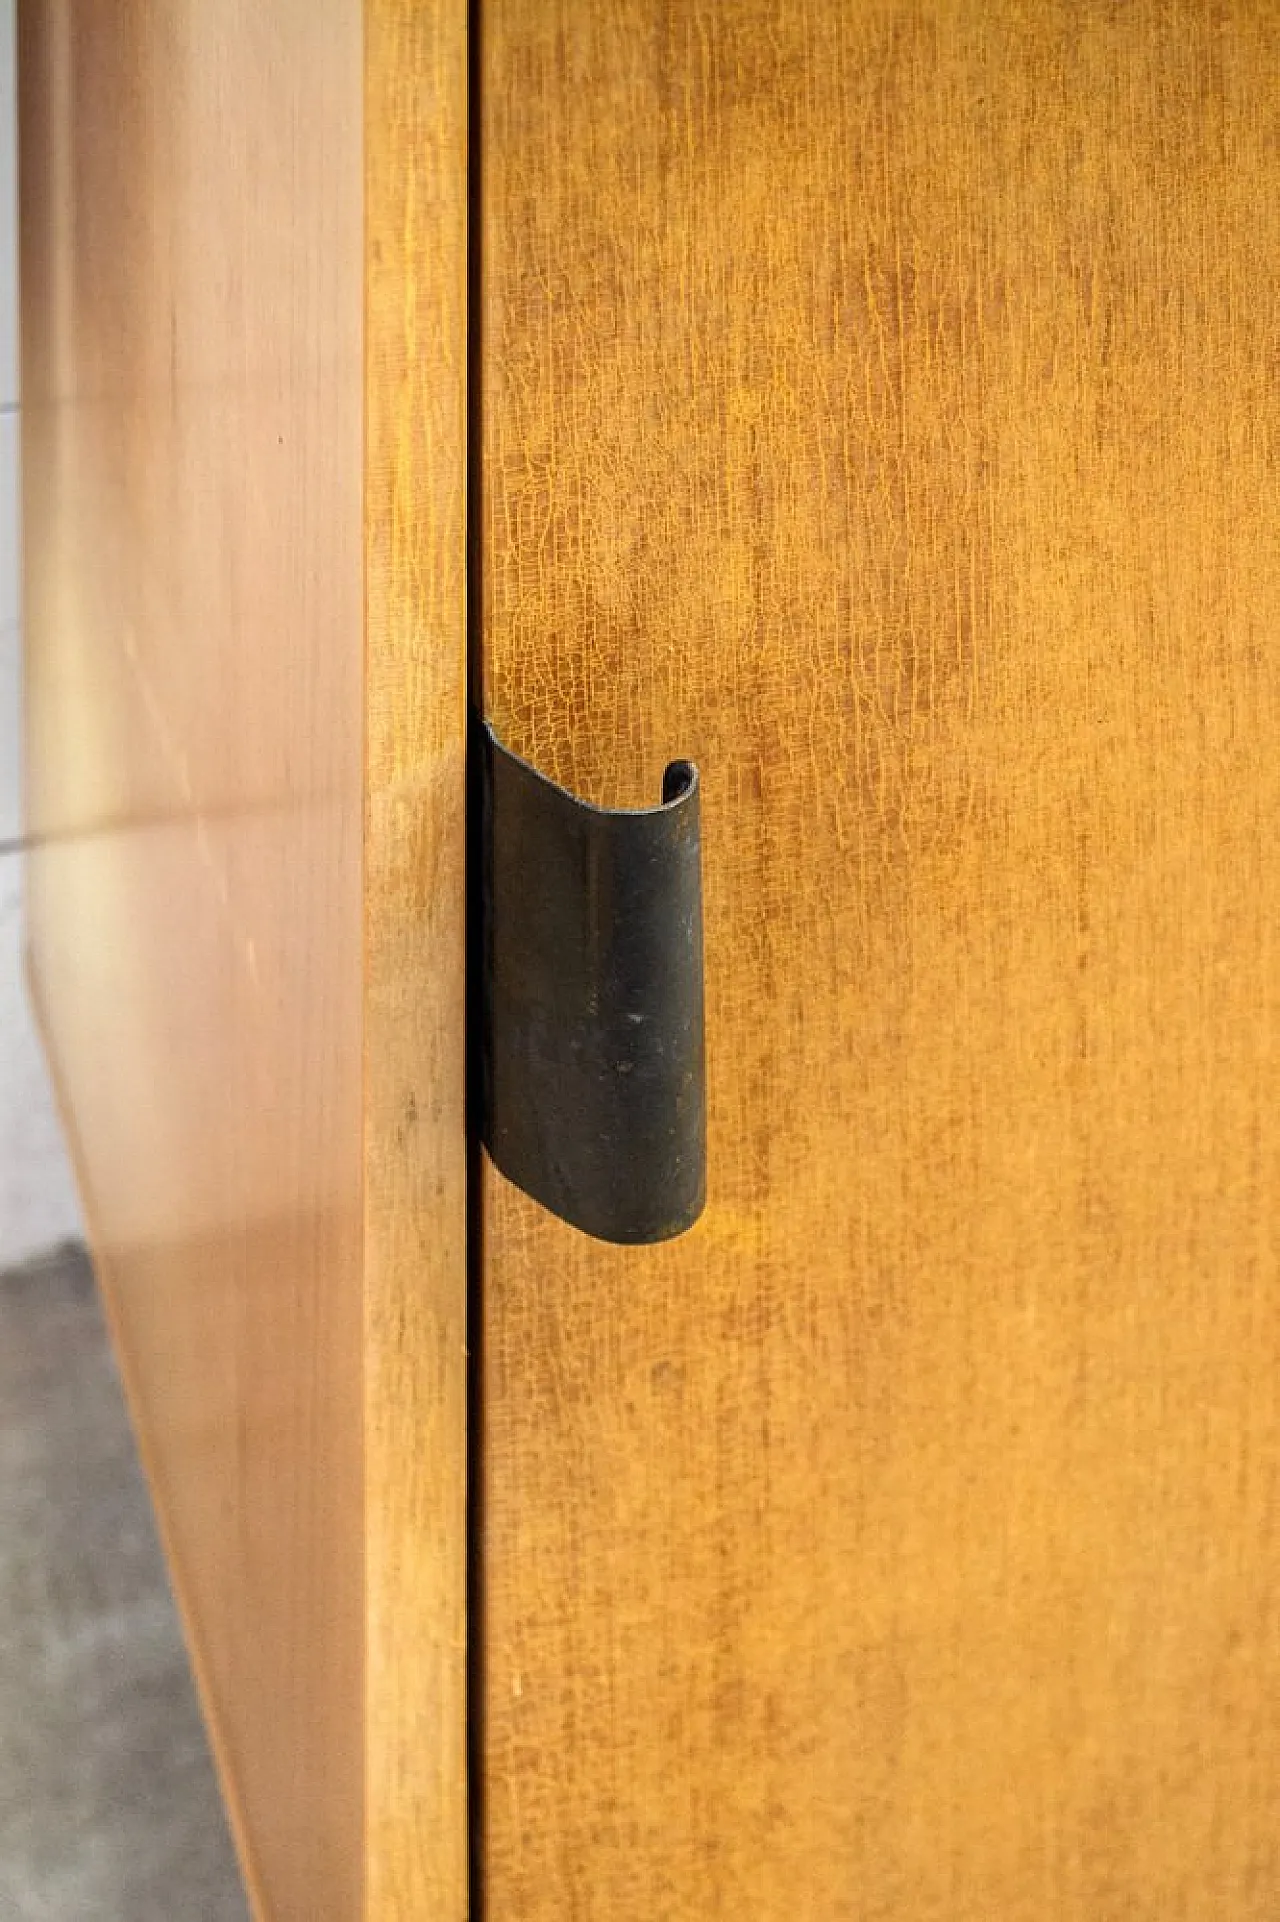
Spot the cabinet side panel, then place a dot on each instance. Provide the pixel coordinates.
(415, 1144)
(191, 182)
(881, 409)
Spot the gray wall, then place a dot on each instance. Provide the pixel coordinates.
(37, 1201)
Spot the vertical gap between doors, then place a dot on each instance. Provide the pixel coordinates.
(475, 1682)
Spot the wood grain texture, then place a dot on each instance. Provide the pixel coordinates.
(243, 432)
(191, 271)
(881, 408)
(415, 958)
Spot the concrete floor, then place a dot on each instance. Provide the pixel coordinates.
(109, 1811)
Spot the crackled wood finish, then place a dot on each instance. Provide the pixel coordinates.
(880, 406)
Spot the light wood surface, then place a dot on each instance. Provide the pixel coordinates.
(243, 414)
(881, 408)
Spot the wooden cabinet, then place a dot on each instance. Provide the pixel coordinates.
(877, 404)
(243, 284)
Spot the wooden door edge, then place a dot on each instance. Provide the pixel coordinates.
(415, 1152)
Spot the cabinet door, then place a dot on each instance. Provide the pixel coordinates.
(880, 407)
(243, 279)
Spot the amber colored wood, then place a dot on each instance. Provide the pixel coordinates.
(243, 435)
(881, 407)
(415, 958)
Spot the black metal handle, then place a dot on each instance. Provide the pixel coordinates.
(593, 1075)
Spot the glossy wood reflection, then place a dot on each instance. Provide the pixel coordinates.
(880, 408)
(246, 921)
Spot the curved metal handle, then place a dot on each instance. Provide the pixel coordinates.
(593, 1075)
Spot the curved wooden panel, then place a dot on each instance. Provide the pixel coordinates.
(880, 408)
